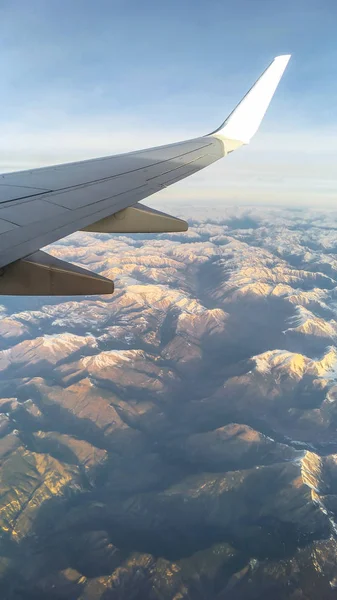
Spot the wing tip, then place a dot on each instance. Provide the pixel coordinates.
(282, 58)
(246, 118)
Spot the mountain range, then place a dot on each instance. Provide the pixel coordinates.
(176, 440)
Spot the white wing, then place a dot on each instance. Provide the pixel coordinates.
(40, 206)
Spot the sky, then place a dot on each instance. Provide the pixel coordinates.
(86, 78)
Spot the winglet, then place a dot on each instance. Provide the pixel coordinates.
(245, 119)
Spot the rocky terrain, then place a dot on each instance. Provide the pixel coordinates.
(178, 439)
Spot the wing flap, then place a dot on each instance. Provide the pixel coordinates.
(6, 226)
(96, 192)
(30, 212)
(17, 192)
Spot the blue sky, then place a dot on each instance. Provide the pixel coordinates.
(88, 78)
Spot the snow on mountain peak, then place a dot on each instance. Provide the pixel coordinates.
(111, 358)
(295, 364)
(281, 360)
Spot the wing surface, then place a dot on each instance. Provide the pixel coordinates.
(40, 206)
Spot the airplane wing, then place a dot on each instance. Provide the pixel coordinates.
(40, 206)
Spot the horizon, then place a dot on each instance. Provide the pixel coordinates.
(123, 78)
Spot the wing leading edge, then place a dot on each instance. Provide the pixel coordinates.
(40, 206)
